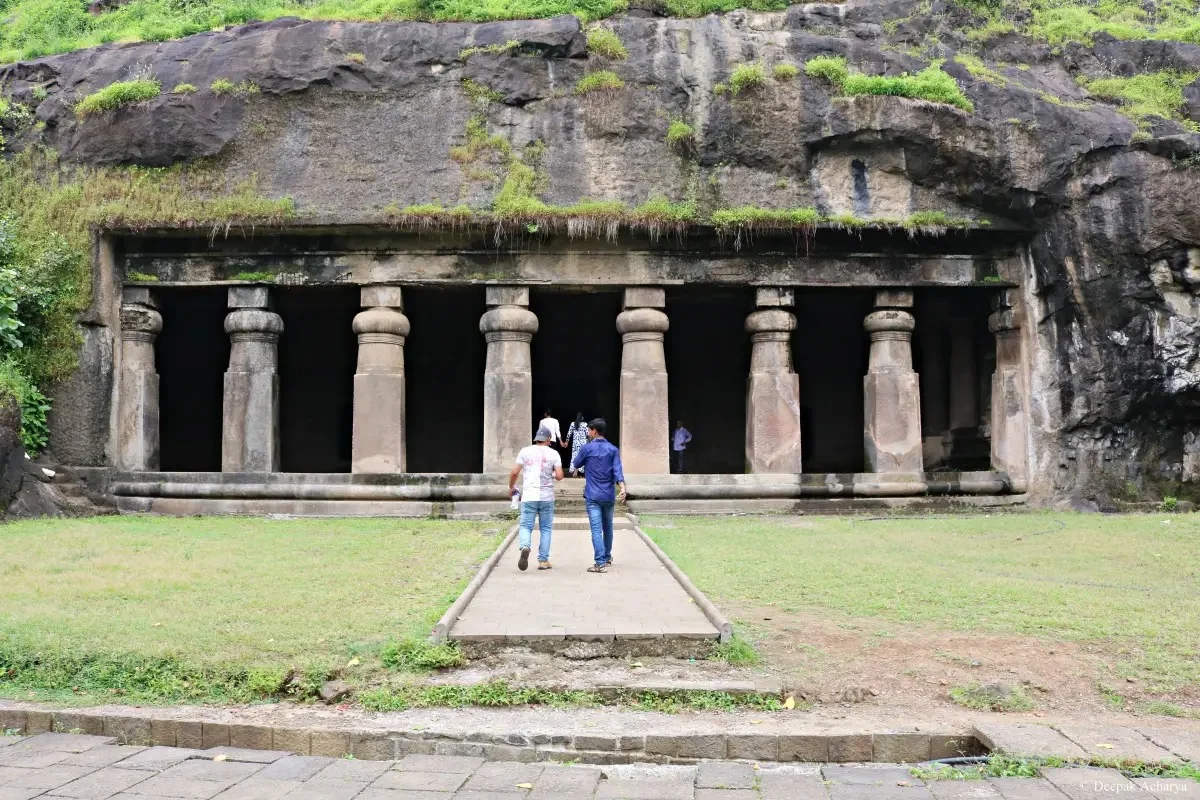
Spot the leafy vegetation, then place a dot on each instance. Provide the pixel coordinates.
(491, 49)
(785, 72)
(116, 95)
(737, 652)
(1079, 21)
(226, 86)
(1152, 94)
(681, 137)
(418, 655)
(605, 42)
(1004, 766)
(184, 88)
(599, 81)
(746, 77)
(931, 83)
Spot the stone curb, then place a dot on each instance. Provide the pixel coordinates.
(720, 621)
(378, 745)
(441, 631)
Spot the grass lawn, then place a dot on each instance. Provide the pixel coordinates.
(1130, 582)
(220, 596)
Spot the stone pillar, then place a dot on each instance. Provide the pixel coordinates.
(1009, 430)
(379, 382)
(508, 328)
(645, 415)
(137, 399)
(773, 388)
(892, 396)
(250, 413)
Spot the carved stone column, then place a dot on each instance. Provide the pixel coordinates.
(773, 388)
(1009, 429)
(508, 328)
(250, 412)
(379, 436)
(892, 396)
(137, 400)
(645, 421)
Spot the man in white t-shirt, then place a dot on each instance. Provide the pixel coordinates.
(541, 466)
(551, 424)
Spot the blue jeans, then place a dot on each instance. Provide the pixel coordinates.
(600, 519)
(544, 510)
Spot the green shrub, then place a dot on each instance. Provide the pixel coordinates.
(418, 655)
(116, 95)
(34, 405)
(746, 77)
(830, 68)
(737, 652)
(720, 88)
(600, 81)
(1153, 94)
(1169, 503)
(785, 72)
(604, 42)
(183, 88)
(681, 136)
(225, 86)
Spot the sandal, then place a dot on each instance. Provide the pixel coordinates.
(545, 565)
(597, 569)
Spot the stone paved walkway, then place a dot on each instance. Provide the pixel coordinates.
(637, 598)
(71, 767)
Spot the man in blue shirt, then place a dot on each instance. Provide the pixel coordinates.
(603, 487)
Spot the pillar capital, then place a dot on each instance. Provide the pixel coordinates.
(770, 325)
(890, 324)
(253, 325)
(140, 321)
(381, 324)
(642, 325)
(508, 323)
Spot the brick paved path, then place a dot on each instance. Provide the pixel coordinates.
(636, 599)
(57, 765)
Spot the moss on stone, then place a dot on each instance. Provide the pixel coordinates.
(930, 83)
(1153, 94)
(116, 95)
(784, 72)
(600, 81)
(746, 77)
(604, 42)
(183, 88)
(681, 137)
(491, 49)
(479, 94)
(225, 86)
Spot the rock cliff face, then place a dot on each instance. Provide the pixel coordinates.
(349, 118)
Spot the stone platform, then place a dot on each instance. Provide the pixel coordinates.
(638, 605)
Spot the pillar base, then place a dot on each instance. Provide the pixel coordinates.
(645, 427)
(378, 424)
(250, 429)
(137, 423)
(773, 422)
(892, 414)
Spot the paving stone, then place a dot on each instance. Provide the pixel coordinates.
(900, 748)
(38, 722)
(812, 749)
(963, 790)
(258, 789)
(468, 795)
(251, 737)
(861, 792)
(207, 770)
(320, 789)
(372, 746)
(868, 776)
(17, 793)
(724, 775)
(162, 732)
(294, 768)
(5, 741)
(213, 734)
(190, 734)
(31, 759)
(421, 763)
(329, 743)
(854, 747)
(1109, 741)
(245, 755)
(726, 794)
(102, 756)
(101, 784)
(291, 740)
(701, 746)
(1023, 739)
(420, 781)
(752, 747)
(9, 773)
(596, 742)
(502, 777)
(158, 758)
(1183, 743)
(1092, 784)
(346, 769)
(63, 742)
(784, 786)
(70, 722)
(1173, 788)
(644, 789)
(49, 778)
(403, 794)
(555, 779)
(1026, 789)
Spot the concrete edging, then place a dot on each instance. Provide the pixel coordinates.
(441, 631)
(720, 621)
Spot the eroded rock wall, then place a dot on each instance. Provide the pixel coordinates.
(351, 118)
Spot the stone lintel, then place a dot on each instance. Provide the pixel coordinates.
(379, 294)
(507, 295)
(774, 297)
(249, 297)
(138, 295)
(645, 297)
(894, 298)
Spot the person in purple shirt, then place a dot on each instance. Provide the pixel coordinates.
(679, 444)
(603, 487)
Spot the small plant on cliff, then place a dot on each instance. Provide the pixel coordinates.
(357, 58)
(785, 72)
(224, 86)
(491, 49)
(183, 88)
(480, 95)
(1153, 94)
(830, 68)
(604, 42)
(600, 81)
(930, 83)
(116, 95)
(681, 137)
(746, 77)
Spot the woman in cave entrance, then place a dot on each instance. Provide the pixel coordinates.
(577, 437)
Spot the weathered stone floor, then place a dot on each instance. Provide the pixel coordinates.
(637, 598)
(76, 767)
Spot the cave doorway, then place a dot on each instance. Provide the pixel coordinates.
(445, 355)
(577, 359)
(708, 362)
